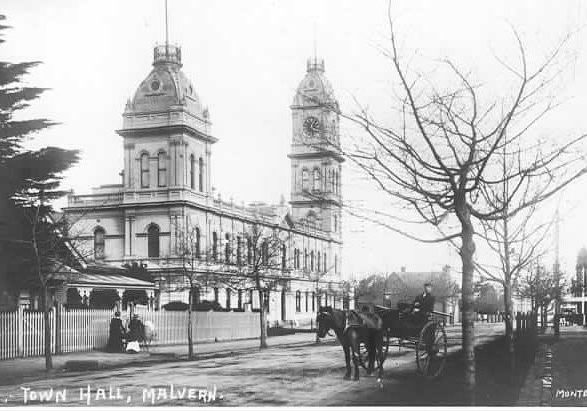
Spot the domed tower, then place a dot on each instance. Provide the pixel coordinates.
(166, 130)
(315, 152)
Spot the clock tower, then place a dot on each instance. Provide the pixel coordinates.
(315, 153)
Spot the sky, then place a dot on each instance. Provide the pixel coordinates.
(246, 59)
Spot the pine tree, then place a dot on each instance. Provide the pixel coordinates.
(31, 239)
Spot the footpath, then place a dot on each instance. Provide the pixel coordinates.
(558, 376)
(18, 370)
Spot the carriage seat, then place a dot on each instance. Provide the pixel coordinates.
(364, 319)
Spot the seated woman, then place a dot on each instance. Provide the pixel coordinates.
(136, 334)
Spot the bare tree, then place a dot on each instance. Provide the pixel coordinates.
(438, 159)
(46, 256)
(261, 263)
(517, 241)
(542, 288)
(193, 269)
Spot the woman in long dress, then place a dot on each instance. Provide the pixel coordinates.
(136, 334)
(116, 334)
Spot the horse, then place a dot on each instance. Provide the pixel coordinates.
(352, 329)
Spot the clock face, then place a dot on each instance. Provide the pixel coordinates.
(312, 126)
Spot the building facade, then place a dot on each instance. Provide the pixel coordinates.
(166, 193)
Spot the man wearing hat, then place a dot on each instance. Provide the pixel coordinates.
(423, 305)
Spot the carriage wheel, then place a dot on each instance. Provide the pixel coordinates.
(431, 350)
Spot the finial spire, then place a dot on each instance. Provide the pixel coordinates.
(166, 26)
(315, 48)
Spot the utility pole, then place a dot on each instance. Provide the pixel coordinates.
(558, 295)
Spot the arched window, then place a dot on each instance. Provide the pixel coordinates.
(99, 243)
(197, 242)
(298, 301)
(192, 172)
(214, 246)
(305, 180)
(266, 300)
(283, 256)
(153, 240)
(312, 260)
(316, 178)
(201, 174)
(161, 170)
(227, 249)
(144, 170)
(265, 252)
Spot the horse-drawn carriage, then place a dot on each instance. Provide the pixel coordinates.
(369, 341)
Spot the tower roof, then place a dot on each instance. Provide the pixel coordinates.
(315, 89)
(166, 87)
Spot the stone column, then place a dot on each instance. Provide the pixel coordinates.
(128, 235)
(150, 299)
(207, 168)
(128, 165)
(173, 228)
(120, 292)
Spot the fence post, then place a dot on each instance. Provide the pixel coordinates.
(58, 329)
(20, 325)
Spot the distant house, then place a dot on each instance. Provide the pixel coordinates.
(402, 287)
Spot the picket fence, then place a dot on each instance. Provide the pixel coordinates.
(78, 330)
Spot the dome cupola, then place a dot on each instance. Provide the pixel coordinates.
(315, 89)
(166, 89)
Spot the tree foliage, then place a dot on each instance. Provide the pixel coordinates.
(32, 237)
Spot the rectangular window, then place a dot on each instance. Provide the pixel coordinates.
(216, 294)
(306, 301)
(313, 302)
(161, 170)
(144, 170)
(298, 301)
(228, 298)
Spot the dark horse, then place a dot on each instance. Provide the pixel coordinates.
(352, 329)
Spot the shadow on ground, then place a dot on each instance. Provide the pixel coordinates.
(499, 380)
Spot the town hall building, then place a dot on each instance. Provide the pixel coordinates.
(166, 192)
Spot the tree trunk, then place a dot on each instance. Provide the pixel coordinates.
(509, 316)
(468, 325)
(190, 337)
(262, 319)
(46, 311)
